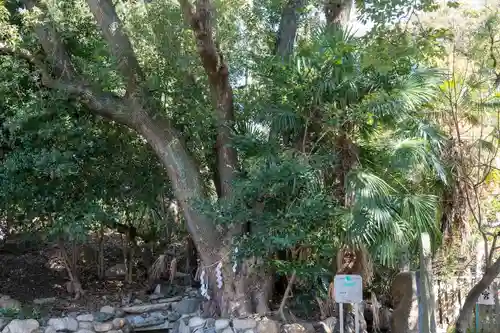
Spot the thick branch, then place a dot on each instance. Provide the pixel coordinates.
(103, 104)
(159, 133)
(199, 19)
(118, 42)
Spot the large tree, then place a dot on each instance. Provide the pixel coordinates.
(69, 57)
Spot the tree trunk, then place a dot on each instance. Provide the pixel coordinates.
(136, 109)
(338, 11)
(470, 301)
(289, 23)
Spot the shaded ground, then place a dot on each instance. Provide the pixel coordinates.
(27, 273)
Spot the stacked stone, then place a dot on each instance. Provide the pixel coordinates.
(161, 314)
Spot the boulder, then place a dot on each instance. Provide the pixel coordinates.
(298, 328)
(242, 325)
(85, 325)
(173, 316)
(221, 324)
(102, 317)
(85, 317)
(3, 322)
(103, 327)
(196, 322)
(107, 309)
(183, 326)
(268, 326)
(9, 303)
(148, 321)
(118, 323)
(64, 324)
(329, 324)
(21, 326)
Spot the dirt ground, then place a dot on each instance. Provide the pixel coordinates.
(28, 273)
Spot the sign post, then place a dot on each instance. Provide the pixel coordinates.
(348, 289)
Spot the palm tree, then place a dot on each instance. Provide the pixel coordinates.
(340, 155)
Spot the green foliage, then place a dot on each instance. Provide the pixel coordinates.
(339, 144)
(392, 189)
(63, 170)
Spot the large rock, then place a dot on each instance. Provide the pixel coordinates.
(3, 322)
(196, 322)
(221, 324)
(118, 323)
(329, 324)
(85, 317)
(242, 325)
(268, 326)
(108, 309)
(102, 317)
(148, 321)
(187, 305)
(85, 325)
(64, 324)
(103, 327)
(21, 326)
(6, 302)
(50, 329)
(298, 328)
(183, 326)
(173, 316)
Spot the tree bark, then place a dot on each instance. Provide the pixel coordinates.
(135, 110)
(199, 18)
(287, 31)
(470, 301)
(338, 11)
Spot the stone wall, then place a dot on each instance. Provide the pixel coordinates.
(179, 314)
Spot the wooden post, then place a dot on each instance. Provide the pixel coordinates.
(426, 287)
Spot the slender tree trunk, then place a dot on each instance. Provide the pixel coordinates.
(338, 11)
(289, 24)
(470, 301)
